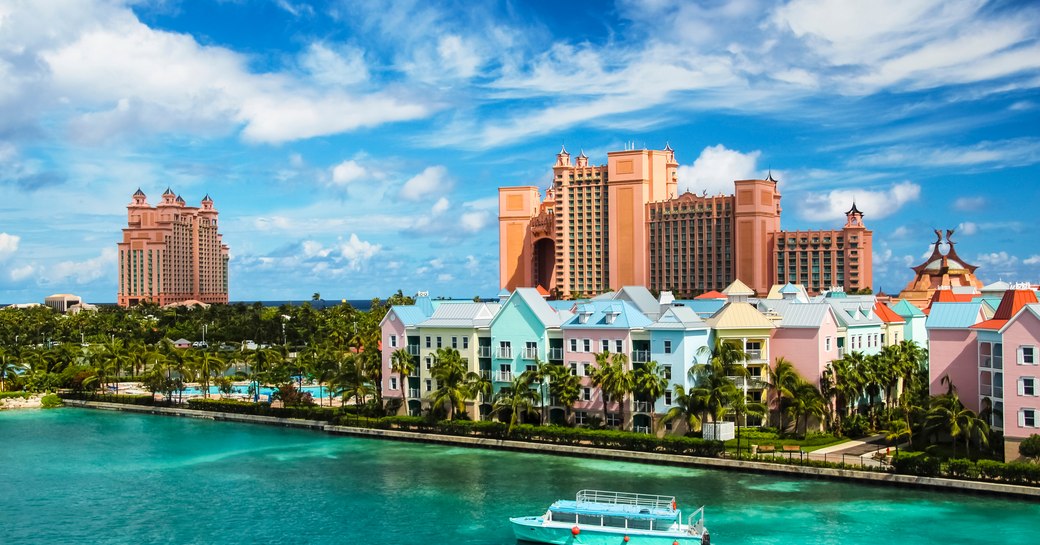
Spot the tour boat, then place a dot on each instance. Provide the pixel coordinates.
(598, 517)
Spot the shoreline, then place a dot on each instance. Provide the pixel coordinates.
(857, 476)
(34, 401)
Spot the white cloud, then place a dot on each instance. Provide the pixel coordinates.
(1001, 261)
(874, 203)
(313, 248)
(997, 154)
(445, 277)
(348, 171)
(21, 273)
(715, 169)
(357, 251)
(8, 245)
(967, 228)
(82, 272)
(1032, 260)
(441, 205)
(458, 56)
(472, 222)
(430, 181)
(969, 204)
(329, 65)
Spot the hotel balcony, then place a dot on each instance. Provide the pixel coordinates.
(484, 373)
(484, 352)
(643, 407)
(504, 376)
(530, 353)
(753, 383)
(640, 356)
(413, 393)
(505, 354)
(555, 354)
(754, 355)
(413, 349)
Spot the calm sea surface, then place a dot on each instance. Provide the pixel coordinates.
(83, 476)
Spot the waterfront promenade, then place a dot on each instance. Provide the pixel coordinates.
(862, 476)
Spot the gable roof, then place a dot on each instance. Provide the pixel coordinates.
(739, 315)
(607, 315)
(954, 315)
(703, 307)
(409, 315)
(738, 288)
(854, 313)
(906, 310)
(530, 297)
(678, 318)
(798, 315)
(1010, 305)
(711, 295)
(463, 315)
(887, 315)
(641, 298)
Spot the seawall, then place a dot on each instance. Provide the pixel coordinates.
(864, 477)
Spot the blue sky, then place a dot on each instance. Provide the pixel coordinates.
(354, 148)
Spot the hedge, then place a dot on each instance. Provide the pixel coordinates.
(125, 399)
(14, 395)
(310, 412)
(921, 464)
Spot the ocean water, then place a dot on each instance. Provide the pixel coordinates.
(84, 476)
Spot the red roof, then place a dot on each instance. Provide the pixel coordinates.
(542, 291)
(948, 296)
(886, 314)
(1010, 304)
(711, 295)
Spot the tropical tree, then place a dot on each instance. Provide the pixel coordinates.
(401, 362)
(687, 408)
(714, 387)
(564, 387)
(261, 361)
(450, 374)
(209, 364)
(322, 367)
(9, 366)
(614, 380)
(948, 415)
(781, 381)
(648, 382)
(806, 401)
(349, 379)
(517, 398)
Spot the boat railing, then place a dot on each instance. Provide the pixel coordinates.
(626, 498)
(696, 521)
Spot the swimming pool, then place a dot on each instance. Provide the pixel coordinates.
(243, 389)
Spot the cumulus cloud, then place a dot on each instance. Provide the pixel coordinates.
(874, 203)
(967, 228)
(8, 245)
(335, 66)
(428, 182)
(356, 251)
(715, 169)
(969, 204)
(1032, 260)
(24, 272)
(1000, 264)
(440, 206)
(348, 171)
(82, 272)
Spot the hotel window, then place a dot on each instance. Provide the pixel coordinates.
(1027, 355)
(667, 397)
(827, 344)
(439, 344)
(574, 345)
(1027, 418)
(668, 347)
(581, 418)
(574, 368)
(604, 345)
(619, 346)
(393, 341)
(586, 394)
(465, 343)
(667, 372)
(613, 420)
(505, 350)
(393, 383)
(455, 342)
(586, 345)
(429, 362)
(428, 343)
(1027, 386)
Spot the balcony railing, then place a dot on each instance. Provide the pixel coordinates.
(841, 352)
(643, 406)
(484, 352)
(754, 355)
(413, 349)
(505, 353)
(640, 356)
(484, 373)
(413, 392)
(504, 376)
(555, 354)
(530, 353)
(753, 383)
(641, 429)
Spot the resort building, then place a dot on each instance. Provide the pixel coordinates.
(171, 252)
(941, 272)
(622, 224)
(61, 302)
(953, 354)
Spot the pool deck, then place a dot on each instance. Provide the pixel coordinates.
(865, 477)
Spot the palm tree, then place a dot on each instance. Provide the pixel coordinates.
(565, 388)
(322, 368)
(648, 381)
(401, 362)
(713, 385)
(209, 364)
(349, 379)
(615, 381)
(8, 366)
(947, 414)
(261, 361)
(806, 401)
(781, 381)
(478, 386)
(517, 398)
(741, 408)
(450, 374)
(687, 408)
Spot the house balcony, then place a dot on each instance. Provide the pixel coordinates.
(505, 354)
(485, 374)
(504, 376)
(413, 393)
(754, 355)
(752, 383)
(413, 349)
(484, 352)
(643, 407)
(555, 354)
(530, 353)
(640, 356)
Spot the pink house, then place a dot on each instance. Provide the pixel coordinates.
(952, 348)
(807, 336)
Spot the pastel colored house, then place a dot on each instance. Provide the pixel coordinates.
(400, 332)
(806, 335)
(892, 324)
(914, 322)
(861, 327)
(614, 327)
(952, 348)
(679, 340)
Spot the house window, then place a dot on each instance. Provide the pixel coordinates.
(1027, 386)
(581, 418)
(1027, 418)
(393, 383)
(505, 350)
(439, 344)
(465, 343)
(667, 397)
(428, 345)
(619, 346)
(613, 420)
(668, 347)
(586, 345)
(827, 344)
(1027, 355)
(574, 345)
(429, 385)
(604, 346)
(586, 394)
(393, 341)
(667, 372)
(574, 368)
(429, 362)
(455, 342)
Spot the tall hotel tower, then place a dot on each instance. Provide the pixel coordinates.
(171, 252)
(622, 224)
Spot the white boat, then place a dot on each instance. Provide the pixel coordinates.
(598, 517)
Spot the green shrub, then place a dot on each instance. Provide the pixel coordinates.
(14, 395)
(1030, 447)
(960, 468)
(916, 463)
(50, 401)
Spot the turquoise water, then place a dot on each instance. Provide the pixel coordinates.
(83, 476)
(315, 391)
